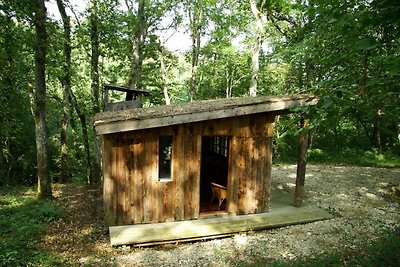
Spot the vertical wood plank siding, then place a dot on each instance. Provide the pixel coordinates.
(133, 193)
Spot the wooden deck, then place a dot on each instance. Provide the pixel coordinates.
(282, 213)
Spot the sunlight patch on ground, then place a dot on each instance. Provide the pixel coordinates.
(290, 185)
(240, 240)
(342, 196)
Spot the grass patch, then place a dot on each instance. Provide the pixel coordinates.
(372, 158)
(22, 224)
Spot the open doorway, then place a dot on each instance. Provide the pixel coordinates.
(214, 174)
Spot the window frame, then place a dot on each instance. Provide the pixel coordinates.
(165, 142)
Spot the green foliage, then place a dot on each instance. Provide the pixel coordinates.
(344, 52)
(22, 225)
(355, 157)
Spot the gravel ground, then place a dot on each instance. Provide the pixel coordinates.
(360, 197)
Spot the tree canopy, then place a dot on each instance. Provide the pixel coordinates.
(345, 52)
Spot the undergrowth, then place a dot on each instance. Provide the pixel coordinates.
(22, 225)
(355, 157)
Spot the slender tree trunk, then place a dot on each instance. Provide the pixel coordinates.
(66, 85)
(364, 76)
(255, 59)
(137, 44)
(377, 130)
(164, 77)
(95, 86)
(195, 18)
(229, 78)
(44, 183)
(398, 130)
(94, 57)
(255, 68)
(85, 137)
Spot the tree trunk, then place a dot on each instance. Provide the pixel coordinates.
(260, 21)
(398, 130)
(44, 183)
(66, 85)
(85, 137)
(364, 76)
(94, 58)
(195, 18)
(164, 77)
(377, 131)
(94, 62)
(301, 163)
(137, 44)
(255, 68)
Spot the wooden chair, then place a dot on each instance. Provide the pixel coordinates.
(218, 192)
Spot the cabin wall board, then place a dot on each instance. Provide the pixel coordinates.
(133, 194)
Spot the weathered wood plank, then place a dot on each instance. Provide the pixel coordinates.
(169, 201)
(267, 179)
(153, 159)
(178, 174)
(114, 154)
(108, 186)
(196, 144)
(121, 182)
(249, 175)
(233, 183)
(175, 231)
(259, 159)
(132, 190)
(147, 184)
(241, 173)
(186, 171)
(137, 148)
(260, 174)
(126, 162)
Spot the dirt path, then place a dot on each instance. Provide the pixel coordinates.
(361, 198)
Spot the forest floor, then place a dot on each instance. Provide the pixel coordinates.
(364, 200)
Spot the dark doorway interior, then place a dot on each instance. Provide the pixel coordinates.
(214, 169)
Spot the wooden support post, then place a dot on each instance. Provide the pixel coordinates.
(301, 164)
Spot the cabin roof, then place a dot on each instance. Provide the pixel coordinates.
(159, 116)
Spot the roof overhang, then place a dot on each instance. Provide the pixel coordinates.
(160, 116)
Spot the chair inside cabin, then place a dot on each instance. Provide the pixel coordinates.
(218, 192)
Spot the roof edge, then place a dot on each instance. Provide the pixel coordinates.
(146, 118)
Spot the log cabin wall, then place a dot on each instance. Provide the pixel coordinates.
(133, 193)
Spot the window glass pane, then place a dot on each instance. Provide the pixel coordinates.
(164, 157)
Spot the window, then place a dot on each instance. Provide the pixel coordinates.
(220, 145)
(164, 157)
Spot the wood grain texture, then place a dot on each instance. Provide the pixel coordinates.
(108, 184)
(181, 231)
(134, 194)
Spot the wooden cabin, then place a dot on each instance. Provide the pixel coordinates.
(160, 163)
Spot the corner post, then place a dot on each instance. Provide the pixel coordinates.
(301, 163)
